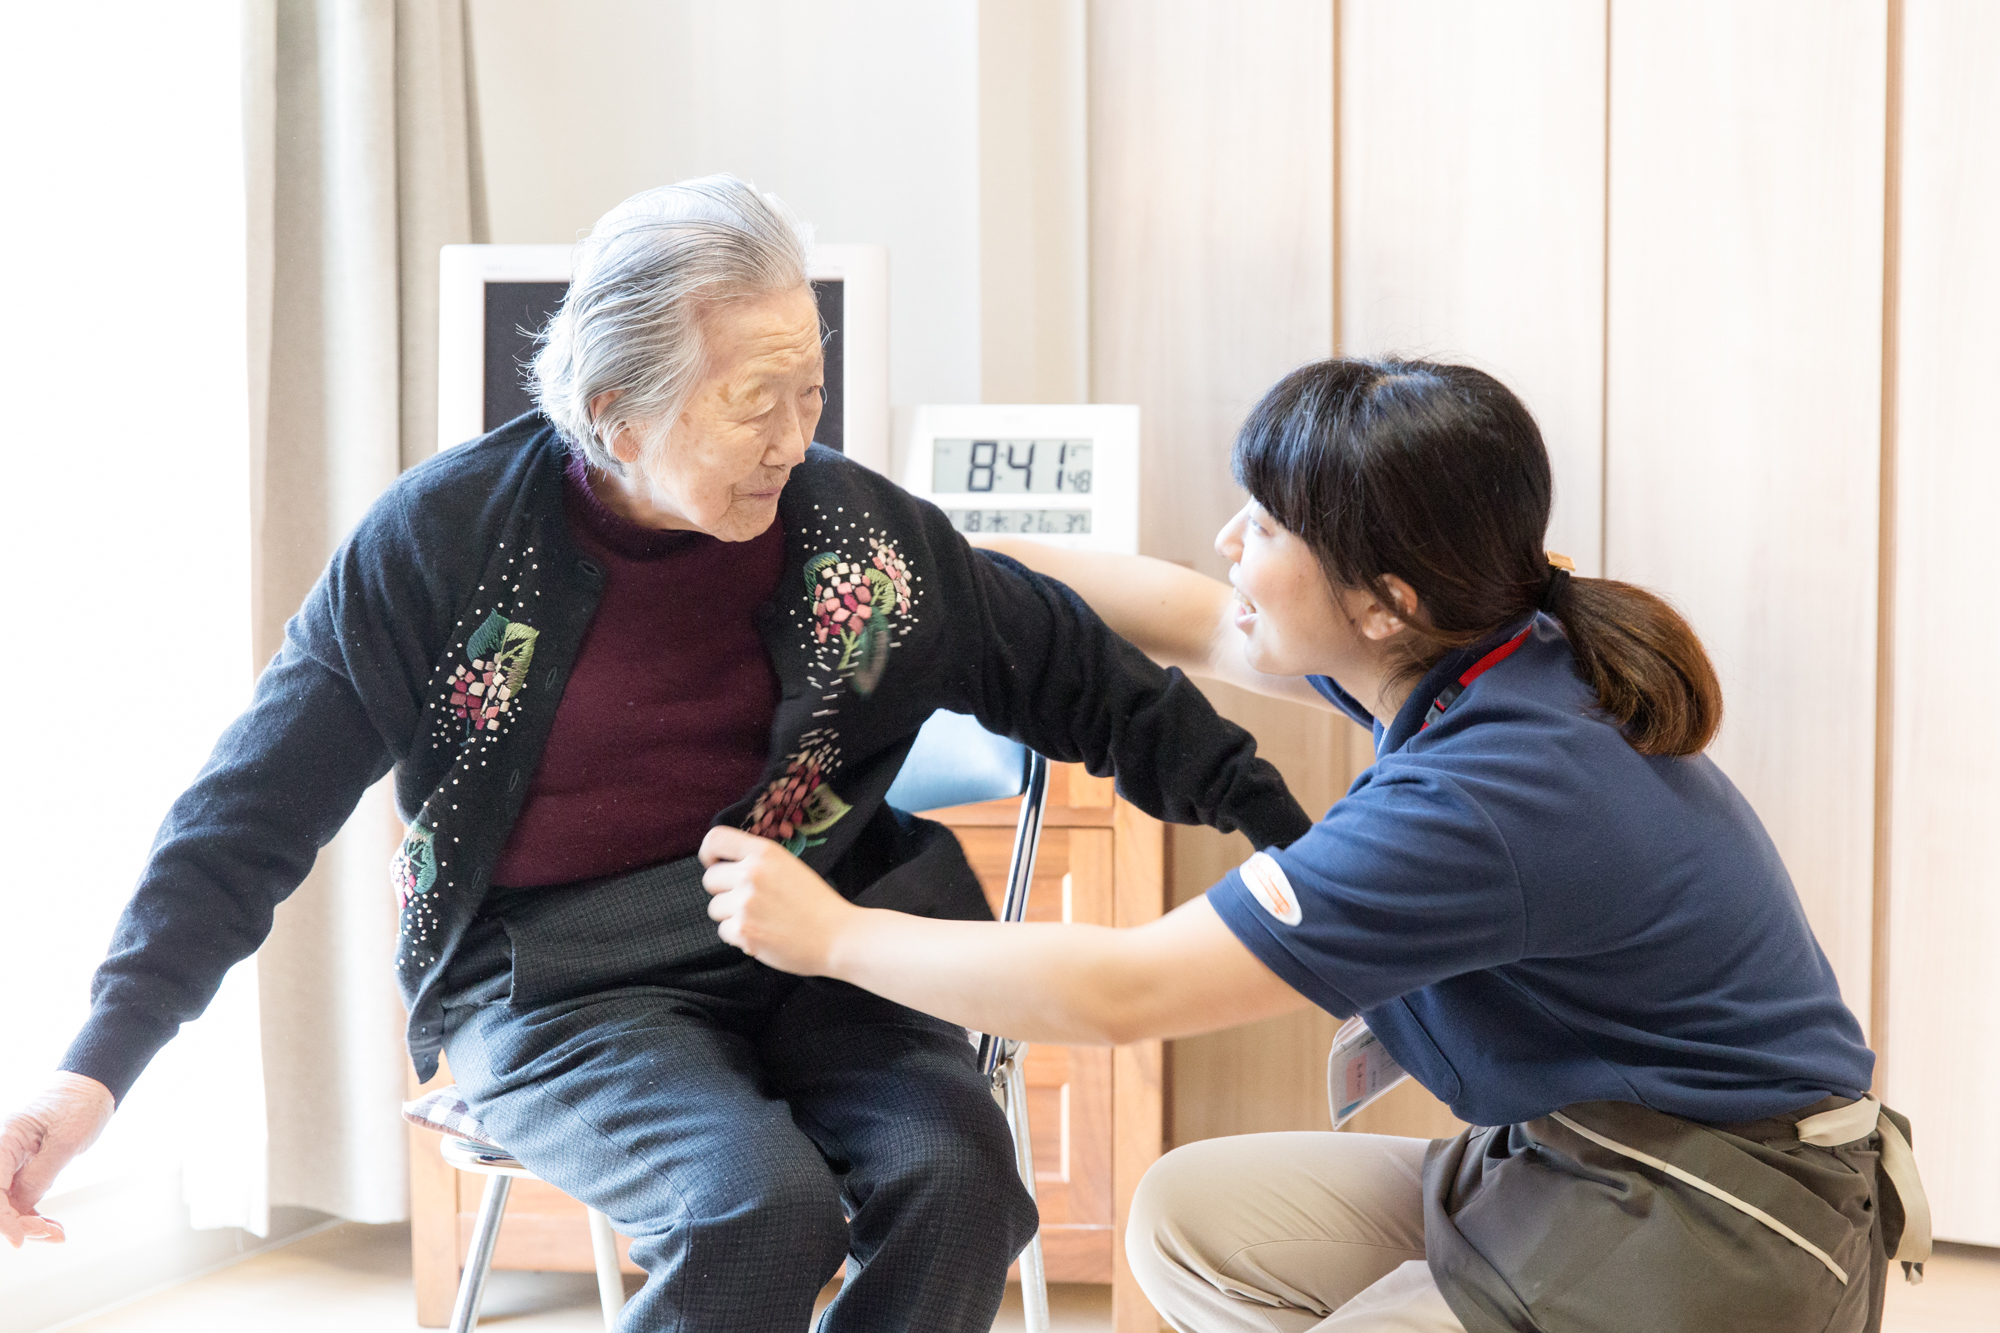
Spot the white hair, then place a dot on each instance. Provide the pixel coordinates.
(630, 322)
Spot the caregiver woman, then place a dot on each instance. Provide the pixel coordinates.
(1555, 912)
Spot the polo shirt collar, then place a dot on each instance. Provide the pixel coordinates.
(1443, 674)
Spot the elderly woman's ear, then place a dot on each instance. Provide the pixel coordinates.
(623, 444)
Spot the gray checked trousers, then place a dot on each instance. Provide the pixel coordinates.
(747, 1130)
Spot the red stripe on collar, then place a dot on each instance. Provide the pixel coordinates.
(1449, 694)
(1495, 658)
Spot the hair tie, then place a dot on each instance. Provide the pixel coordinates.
(1559, 572)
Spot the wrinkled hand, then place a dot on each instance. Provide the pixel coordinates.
(37, 1142)
(770, 904)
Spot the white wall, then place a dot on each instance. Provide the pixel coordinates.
(863, 115)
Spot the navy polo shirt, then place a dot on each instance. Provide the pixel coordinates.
(1531, 913)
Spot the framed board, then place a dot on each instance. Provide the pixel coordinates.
(494, 300)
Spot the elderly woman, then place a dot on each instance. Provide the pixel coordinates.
(650, 608)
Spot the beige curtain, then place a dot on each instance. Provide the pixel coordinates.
(362, 155)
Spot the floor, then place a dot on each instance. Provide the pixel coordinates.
(350, 1276)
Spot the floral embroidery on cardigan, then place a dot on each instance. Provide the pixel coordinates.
(856, 604)
(890, 562)
(474, 690)
(798, 805)
(856, 609)
(501, 650)
(414, 868)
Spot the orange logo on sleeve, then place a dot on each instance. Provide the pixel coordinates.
(1266, 881)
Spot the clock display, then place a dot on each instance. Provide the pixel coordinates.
(1011, 467)
(1042, 522)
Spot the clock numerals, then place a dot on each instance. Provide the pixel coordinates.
(1011, 467)
(979, 476)
(1026, 469)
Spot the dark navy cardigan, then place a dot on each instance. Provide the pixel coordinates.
(438, 640)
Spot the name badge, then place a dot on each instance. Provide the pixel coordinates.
(1359, 1069)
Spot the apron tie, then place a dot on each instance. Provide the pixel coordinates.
(1852, 1124)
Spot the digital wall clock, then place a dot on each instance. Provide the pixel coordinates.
(1063, 473)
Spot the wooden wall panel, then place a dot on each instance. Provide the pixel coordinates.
(1743, 398)
(1472, 211)
(1211, 256)
(1034, 224)
(1211, 217)
(1944, 879)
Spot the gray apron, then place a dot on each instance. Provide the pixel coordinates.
(1608, 1217)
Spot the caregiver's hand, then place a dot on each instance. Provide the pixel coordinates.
(37, 1142)
(771, 904)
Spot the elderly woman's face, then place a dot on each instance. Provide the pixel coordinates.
(744, 429)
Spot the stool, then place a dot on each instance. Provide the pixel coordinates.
(464, 1147)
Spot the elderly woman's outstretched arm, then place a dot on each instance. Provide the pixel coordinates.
(1043, 667)
(1177, 617)
(279, 784)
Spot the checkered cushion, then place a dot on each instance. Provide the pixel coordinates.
(445, 1111)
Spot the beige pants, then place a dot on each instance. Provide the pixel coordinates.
(1284, 1233)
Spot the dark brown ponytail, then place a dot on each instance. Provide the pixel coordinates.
(1437, 474)
(1648, 667)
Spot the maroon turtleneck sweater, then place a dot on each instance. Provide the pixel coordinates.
(666, 718)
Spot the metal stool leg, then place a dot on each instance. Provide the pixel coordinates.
(1034, 1280)
(472, 1286)
(610, 1282)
